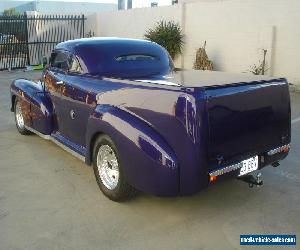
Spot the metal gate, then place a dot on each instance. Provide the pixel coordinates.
(13, 42)
(26, 39)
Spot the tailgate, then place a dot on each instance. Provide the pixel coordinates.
(246, 119)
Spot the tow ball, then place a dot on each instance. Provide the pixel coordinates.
(252, 180)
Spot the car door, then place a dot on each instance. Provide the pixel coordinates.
(79, 101)
(72, 99)
(54, 83)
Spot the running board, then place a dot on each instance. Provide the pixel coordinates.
(57, 142)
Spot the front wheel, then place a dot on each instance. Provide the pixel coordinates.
(19, 119)
(108, 170)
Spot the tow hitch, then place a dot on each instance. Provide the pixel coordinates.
(252, 180)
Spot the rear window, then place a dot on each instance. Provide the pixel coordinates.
(135, 57)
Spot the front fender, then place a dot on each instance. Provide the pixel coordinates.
(35, 103)
(148, 161)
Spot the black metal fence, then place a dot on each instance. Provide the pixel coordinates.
(25, 40)
(13, 42)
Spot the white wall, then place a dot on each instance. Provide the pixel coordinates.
(236, 31)
(131, 23)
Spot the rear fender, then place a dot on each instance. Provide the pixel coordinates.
(35, 103)
(148, 161)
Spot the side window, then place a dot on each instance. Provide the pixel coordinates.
(74, 65)
(59, 60)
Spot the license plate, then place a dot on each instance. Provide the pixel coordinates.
(249, 165)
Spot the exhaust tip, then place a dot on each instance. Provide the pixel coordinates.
(275, 164)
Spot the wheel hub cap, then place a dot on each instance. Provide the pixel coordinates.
(19, 116)
(108, 167)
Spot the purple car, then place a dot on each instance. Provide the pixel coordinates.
(120, 106)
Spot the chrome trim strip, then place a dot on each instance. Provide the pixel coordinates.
(278, 149)
(46, 137)
(50, 138)
(227, 169)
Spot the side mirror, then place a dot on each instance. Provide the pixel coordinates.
(45, 61)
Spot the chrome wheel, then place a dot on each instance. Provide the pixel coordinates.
(19, 116)
(108, 167)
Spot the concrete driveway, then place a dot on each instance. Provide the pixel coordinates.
(50, 200)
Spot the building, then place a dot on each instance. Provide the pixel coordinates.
(129, 4)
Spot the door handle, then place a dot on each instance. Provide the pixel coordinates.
(59, 83)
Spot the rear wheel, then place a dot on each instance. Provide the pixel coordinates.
(19, 119)
(108, 170)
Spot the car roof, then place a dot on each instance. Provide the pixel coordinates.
(73, 45)
(98, 56)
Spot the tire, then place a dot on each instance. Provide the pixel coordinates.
(109, 171)
(19, 119)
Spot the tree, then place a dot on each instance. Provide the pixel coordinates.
(11, 12)
(169, 35)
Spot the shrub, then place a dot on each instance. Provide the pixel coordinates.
(168, 35)
(261, 67)
(202, 61)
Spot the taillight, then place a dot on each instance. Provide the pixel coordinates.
(212, 178)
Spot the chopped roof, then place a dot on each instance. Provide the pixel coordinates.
(82, 42)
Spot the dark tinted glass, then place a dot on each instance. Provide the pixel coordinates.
(136, 57)
(59, 60)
